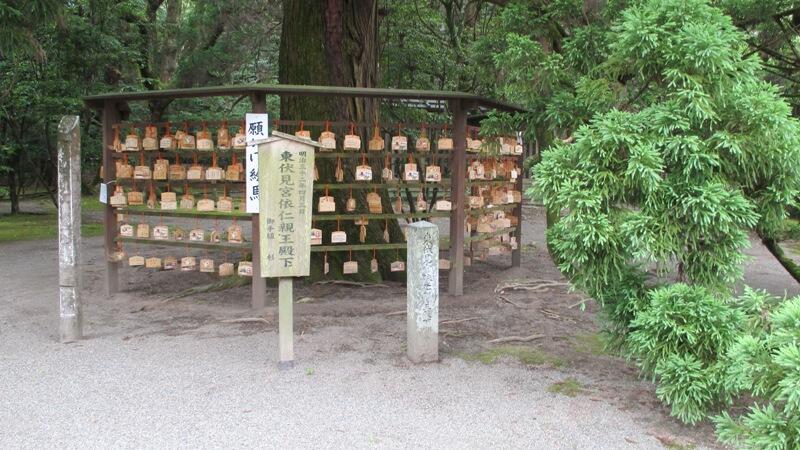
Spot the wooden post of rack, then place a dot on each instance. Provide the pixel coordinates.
(110, 116)
(516, 254)
(458, 159)
(258, 299)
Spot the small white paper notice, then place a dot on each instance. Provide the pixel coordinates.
(103, 193)
(257, 127)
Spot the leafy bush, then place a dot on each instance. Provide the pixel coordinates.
(765, 362)
(678, 339)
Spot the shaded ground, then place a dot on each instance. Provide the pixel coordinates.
(156, 374)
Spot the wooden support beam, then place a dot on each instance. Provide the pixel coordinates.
(110, 116)
(258, 299)
(457, 193)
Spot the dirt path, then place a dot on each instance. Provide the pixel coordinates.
(159, 374)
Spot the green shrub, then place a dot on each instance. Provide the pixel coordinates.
(764, 362)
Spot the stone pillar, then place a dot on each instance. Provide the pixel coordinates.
(423, 292)
(69, 228)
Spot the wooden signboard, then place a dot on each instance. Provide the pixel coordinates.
(285, 204)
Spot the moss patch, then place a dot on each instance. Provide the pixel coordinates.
(569, 387)
(526, 355)
(590, 343)
(21, 227)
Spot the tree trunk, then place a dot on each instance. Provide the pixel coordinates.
(335, 42)
(14, 183)
(774, 247)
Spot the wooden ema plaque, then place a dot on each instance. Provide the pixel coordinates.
(285, 204)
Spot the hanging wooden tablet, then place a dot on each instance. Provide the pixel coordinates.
(143, 231)
(350, 205)
(301, 133)
(240, 142)
(410, 172)
(387, 174)
(475, 201)
(362, 233)
(204, 141)
(326, 203)
(126, 230)
(188, 263)
(397, 206)
(421, 205)
(327, 140)
(152, 262)
(444, 264)
(179, 135)
(116, 143)
(160, 168)
(124, 170)
(161, 232)
(142, 171)
(214, 237)
(316, 236)
(136, 261)
(205, 205)
(235, 235)
(135, 197)
(363, 171)
(116, 255)
(245, 269)
(479, 169)
(197, 235)
(399, 142)
(474, 145)
(443, 205)
(373, 263)
(339, 173)
(352, 141)
(433, 174)
(350, 267)
(397, 266)
(376, 143)
(170, 263)
(207, 265)
(150, 141)
(235, 170)
(445, 143)
(178, 233)
(214, 172)
(423, 144)
(151, 198)
(386, 237)
(118, 200)
(374, 203)
(187, 199)
(225, 204)
(187, 141)
(132, 143)
(338, 236)
(195, 171)
(223, 136)
(226, 269)
(177, 171)
(167, 142)
(169, 201)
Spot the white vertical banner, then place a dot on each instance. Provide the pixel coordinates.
(257, 127)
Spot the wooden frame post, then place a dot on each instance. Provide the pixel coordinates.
(258, 296)
(516, 254)
(110, 116)
(458, 160)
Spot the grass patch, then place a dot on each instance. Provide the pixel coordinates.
(23, 227)
(526, 355)
(569, 387)
(590, 343)
(91, 203)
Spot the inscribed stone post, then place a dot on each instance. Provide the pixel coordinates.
(423, 292)
(69, 229)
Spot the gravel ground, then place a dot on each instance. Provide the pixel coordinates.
(141, 382)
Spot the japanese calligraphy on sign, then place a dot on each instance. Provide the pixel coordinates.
(256, 128)
(286, 168)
